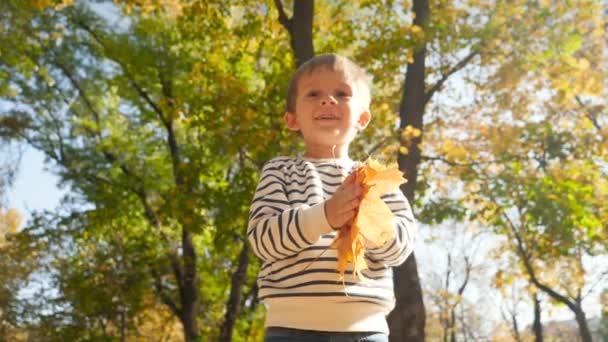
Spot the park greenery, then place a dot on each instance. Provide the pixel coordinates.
(158, 115)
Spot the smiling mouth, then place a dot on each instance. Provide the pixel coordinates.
(327, 117)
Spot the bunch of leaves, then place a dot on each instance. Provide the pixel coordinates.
(373, 224)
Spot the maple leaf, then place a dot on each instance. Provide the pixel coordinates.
(374, 220)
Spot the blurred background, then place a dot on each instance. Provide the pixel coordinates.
(132, 134)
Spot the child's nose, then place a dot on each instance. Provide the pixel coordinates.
(327, 100)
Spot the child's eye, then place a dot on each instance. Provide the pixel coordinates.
(313, 93)
(342, 93)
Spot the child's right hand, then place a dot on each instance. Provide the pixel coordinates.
(342, 207)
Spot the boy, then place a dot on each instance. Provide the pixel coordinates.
(300, 204)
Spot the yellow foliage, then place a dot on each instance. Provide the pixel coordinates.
(10, 220)
(453, 150)
(410, 132)
(374, 220)
(57, 5)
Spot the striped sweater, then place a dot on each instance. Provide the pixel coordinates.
(298, 280)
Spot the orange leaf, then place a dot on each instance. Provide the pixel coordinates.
(374, 220)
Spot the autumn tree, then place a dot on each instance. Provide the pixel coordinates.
(160, 128)
(134, 119)
(538, 150)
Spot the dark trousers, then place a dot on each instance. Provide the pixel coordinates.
(274, 334)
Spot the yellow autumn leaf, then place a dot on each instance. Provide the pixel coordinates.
(374, 220)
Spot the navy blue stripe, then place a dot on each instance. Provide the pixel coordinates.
(274, 246)
(299, 229)
(309, 179)
(264, 228)
(315, 270)
(281, 238)
(289, 223)
(305, 200)
(271, 182)
(309, 248)
(255, 240)
(277, 191)
(382, 250)
(271, 200)
(268, 176)
(327, 164)
(316, 259)
(253, 215)
(408, 218)
(307, 171)
(301, 191)
(390, 253)
(325, 294)
(328, 282)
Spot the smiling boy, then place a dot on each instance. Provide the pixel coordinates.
(301, 202)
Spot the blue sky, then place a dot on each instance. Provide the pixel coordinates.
(35, 188)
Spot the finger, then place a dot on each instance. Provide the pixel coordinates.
(350, 215)
(348, 203)
(359, 189)
(353, 192)
(349, 190)
(346, 217)
(350, 179)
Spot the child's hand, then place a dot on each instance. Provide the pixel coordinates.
(342, 207)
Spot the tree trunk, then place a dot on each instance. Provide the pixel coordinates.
(537, 325)
(408, 318)
(406, 321)
(234, 302)
(189, 291)
(583, 326)
(573, 305)
(299, 27)
(301, 38)
(515, 327)
(453, 325)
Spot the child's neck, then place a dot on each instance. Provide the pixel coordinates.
(327, 152)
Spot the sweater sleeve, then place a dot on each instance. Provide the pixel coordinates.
(276, 230)
(395, 251)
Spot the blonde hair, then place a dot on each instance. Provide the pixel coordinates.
(332, 62)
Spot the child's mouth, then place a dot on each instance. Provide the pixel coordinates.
(327, 117)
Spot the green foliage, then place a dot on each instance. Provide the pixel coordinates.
(439, 210)
(159, 121)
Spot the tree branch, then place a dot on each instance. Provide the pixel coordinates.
(286, 22)
(134, 83)
(589, 114)
(461, 64)
(532, 273)
(139, 191)
(163, 295)
(379, 145)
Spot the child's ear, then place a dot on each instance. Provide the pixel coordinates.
(291, 121)
(364, 120)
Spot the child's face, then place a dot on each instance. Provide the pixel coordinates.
(329, 109)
